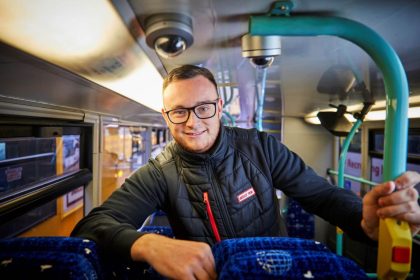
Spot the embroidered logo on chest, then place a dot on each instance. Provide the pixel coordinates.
(246, 194)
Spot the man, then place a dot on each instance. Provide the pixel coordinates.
(216, 182)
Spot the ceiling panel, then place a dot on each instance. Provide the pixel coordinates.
(218, 25)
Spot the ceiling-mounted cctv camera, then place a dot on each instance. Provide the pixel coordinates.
(169, 33)
(261, 50)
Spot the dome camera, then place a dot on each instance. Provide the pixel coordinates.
(169, 34)
(261, 61)
(261, 50)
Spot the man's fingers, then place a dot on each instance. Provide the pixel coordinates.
(210, 266)
(400, 210)
(201, 274)
(411, 218)
(394, 199)
(408, 179)
(402, 196)
(379, 191)
(175, 259)
(204, 266)
(207, 263)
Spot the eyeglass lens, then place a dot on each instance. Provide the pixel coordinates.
(203, 111)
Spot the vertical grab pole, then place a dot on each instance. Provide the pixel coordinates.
(260, 99)
(341, 165)
(392, 234)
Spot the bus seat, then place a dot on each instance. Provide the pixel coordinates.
(243, 258)
(299, 223)
(286, 258)
(49, 258)
(157, 223)
(162, 230)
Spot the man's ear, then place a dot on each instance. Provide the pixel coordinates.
(165, 116)
(220, 108)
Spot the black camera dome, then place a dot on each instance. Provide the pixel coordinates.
(169, 34)
(170, 45)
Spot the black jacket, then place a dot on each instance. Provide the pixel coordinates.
(238, 176)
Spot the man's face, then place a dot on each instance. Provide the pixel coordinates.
(196, 135)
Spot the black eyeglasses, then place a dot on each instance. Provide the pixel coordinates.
(202, 111)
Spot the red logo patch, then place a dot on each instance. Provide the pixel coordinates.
(246, 194)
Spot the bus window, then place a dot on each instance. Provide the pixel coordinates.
(353, 165)
(126, 148)
(41, 179)
(376, 148)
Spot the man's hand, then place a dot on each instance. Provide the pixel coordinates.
(395, 199)
(175, 259)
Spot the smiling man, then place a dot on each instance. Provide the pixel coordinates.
(217, 182)
(192, 111)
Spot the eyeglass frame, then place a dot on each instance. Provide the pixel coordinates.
(189, 109)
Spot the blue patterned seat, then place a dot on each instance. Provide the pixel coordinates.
(162, 230)
(275, 257)
(270, 257)
(299, 223)
(244, 258)
(49, 258)
(45, 265)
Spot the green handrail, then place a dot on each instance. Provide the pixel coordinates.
(230, 118)
(352, 178)
(343, 154)
(341, 165)
(395, 80)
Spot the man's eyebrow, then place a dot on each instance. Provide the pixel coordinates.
(177, 107)
(206, 101)
(197, 104)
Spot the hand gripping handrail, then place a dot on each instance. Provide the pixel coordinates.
(393, 234)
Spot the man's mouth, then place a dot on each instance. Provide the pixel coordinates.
(196, 133)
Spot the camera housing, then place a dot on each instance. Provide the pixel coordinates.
(170, 34)
(261, 50)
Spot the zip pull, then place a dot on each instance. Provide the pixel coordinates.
(211, 217)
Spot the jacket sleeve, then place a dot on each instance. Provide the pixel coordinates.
(113, 225)
(291, 175)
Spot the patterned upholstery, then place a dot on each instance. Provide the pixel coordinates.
(274, 257)
(162, 230)
(300, 223)
(223, 250)
(244, 258)
(49, 258)
(45, 265)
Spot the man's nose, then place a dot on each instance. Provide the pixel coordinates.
(192, 119)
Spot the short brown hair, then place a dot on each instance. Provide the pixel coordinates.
(187, 72)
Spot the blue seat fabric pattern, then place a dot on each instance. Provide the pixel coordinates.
(286, 258)
(243, 258)
(162, 230)
(49, 258)
(299, 223)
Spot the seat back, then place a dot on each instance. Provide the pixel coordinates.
(285, 258)
(49, 258)
(300, 223)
